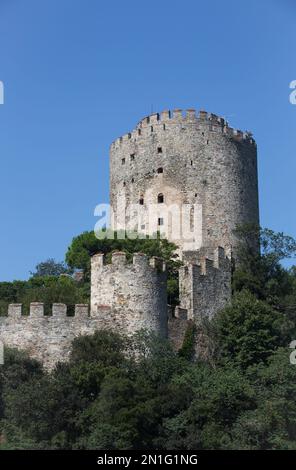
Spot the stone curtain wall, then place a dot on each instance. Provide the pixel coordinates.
(202, 160)
(46, 338)
(125, 298)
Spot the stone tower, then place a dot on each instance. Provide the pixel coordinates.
(130, 296)
(183, 160)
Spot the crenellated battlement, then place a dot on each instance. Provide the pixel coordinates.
(220, 261)
(119, 259)
(207, 260)
(159, 122)
(37, 311)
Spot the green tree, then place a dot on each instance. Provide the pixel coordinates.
(249, 330)
(50, 267)
(272, 424)
(217, 398)
(261, 272)
(18, 369)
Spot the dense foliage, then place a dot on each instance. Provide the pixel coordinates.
(105, 399)
(137, 393)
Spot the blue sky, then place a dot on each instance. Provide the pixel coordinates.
(79, 73)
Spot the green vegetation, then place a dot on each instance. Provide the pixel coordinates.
(188, 346)
(137, 393)
(51, 282)
(105, 399)
(50, 268)
(46, 289)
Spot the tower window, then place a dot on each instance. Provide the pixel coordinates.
(160, 221)
(124, 183)
(164, 127)
(159, 170)
(123, 161)
(151, 128)
(192, 219)
(191, 162)
(159, 149)
(133, 180)
(141, 201)
(139, 131)
(132, 156)
(160, 198)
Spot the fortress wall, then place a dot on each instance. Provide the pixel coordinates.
(124, 298)
(46, 338)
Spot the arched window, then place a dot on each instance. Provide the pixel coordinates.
(159, 170)
(160, 198)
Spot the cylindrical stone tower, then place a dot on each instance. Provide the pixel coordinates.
(130, 297)
(197, 165)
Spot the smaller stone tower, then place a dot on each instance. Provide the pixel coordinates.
(205, 284)
(130, 296)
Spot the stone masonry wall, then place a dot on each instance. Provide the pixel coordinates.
(125, 298)
(177, 326)
(46, 338)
